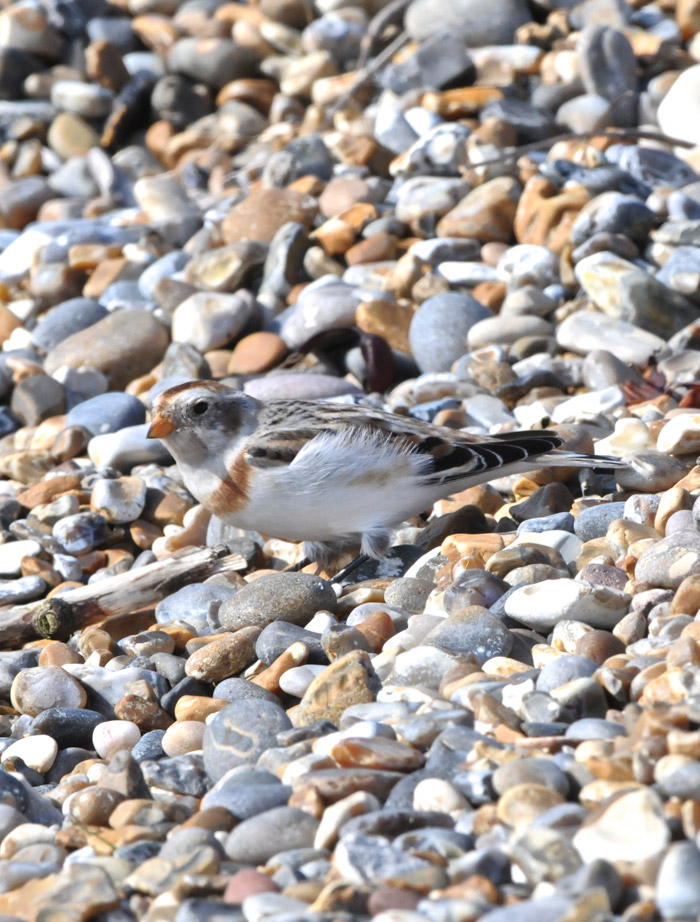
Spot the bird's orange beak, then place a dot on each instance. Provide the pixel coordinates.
(160, 427)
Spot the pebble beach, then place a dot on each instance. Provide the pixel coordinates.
(484, 215)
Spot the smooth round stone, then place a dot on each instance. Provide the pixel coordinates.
(36, 689)
(37, 752)
(683, 783)
(213, 61)
(295, 681)
(667, 563)
(12, 552)
(197, 604)
(69, 726)
(584, 331)
(439, 328)
(564, 669)
(126, 448)
(582, 112)
(527, 264)
(256, 840)
(149, 644)
(149, 746)
(410, 594)
(474, 21)
(679, 109)
(631, 827)
(277, 637)
(473, 632)
(87, 100)
(506, 329)
(473, 587)
(557, 521)
(300, 386)
(65, 319)
(593, 522)
(680, 435)
(80, 533)
(601, 574)
(245, 793)
(123, 345)
(119, 501)
(678, 882)
(234, 689)
(530, 771)
(107, 413)
(321, 306)
(240, 733)
(211, 319)
(293, 597)
(422, 665)
(183, 736)
(112, 735)
(594, 728)
(163, 268)
(542, 605)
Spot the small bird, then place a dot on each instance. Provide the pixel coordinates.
(330, 474)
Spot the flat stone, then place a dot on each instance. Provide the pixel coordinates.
(347, 681)
(240, 733)
(542, 605)
(256, 840)
(292, 597)
(123, 346)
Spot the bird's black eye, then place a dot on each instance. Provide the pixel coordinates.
(200, 407)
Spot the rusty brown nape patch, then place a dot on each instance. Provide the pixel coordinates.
(232, 493)
(214, 386)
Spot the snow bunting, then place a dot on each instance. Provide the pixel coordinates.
(330, 474)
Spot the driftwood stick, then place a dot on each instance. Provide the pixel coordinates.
(57, 618)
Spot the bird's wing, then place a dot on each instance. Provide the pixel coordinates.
(286, 427)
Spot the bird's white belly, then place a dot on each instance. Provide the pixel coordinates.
(297, 507)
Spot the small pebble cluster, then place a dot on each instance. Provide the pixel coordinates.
(403, 204)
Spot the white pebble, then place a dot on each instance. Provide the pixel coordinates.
(438, 794)
(37, 752)
(11, 555)
(296, 680)
(112, 735)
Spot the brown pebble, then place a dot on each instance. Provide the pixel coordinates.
(48, 490)
(164, 508)
(686, 600)
(377, 629)
(198, 707)
(256, 353)
(183, 736)
(147, 715)
(347, 681)
(523, 803)
(57, 653)
(377, 752)
(94, 806)
(224, 656)
(295, 655)
(143, 812)
(70, 443)
(216, 819)
(597, 645)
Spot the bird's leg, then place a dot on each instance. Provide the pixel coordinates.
(298, 566)
(345, 571)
